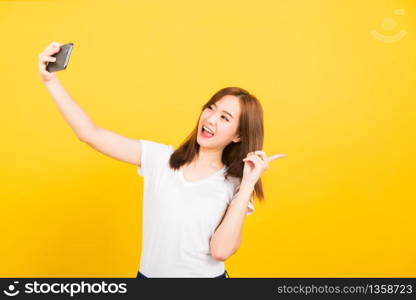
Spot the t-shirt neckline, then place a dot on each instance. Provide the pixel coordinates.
(186, 182)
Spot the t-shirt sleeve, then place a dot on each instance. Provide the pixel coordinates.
(250, 205)
(153, 155)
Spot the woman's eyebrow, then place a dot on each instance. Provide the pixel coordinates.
(225, 111)
(228, 113)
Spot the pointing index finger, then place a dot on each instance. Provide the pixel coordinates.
(273, 157)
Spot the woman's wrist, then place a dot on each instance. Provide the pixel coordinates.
(246, 184)
(51, 80)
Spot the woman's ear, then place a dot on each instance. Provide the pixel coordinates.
(236, 139)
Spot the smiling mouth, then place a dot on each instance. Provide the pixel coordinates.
(205, 133)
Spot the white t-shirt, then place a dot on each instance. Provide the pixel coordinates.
(179, 216)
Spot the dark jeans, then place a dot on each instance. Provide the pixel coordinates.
(224, 275)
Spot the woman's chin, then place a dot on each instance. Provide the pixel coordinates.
(204, 143)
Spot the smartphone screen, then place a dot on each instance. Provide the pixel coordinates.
(62, 58)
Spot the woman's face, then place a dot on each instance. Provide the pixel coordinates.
(222, 119)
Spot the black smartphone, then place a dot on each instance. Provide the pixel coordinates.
(62, 58)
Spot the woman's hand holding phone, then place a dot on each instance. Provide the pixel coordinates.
(44, 58)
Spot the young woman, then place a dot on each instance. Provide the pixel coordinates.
(195, 197)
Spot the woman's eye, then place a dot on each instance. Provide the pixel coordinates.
(226, 118)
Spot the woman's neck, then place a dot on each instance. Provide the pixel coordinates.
(209, 158)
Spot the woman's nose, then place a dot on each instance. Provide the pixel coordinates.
(212, 118)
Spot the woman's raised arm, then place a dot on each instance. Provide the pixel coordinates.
(107, 142)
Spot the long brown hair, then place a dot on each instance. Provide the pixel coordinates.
(250, 130)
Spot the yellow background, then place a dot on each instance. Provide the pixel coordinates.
(337, 101)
